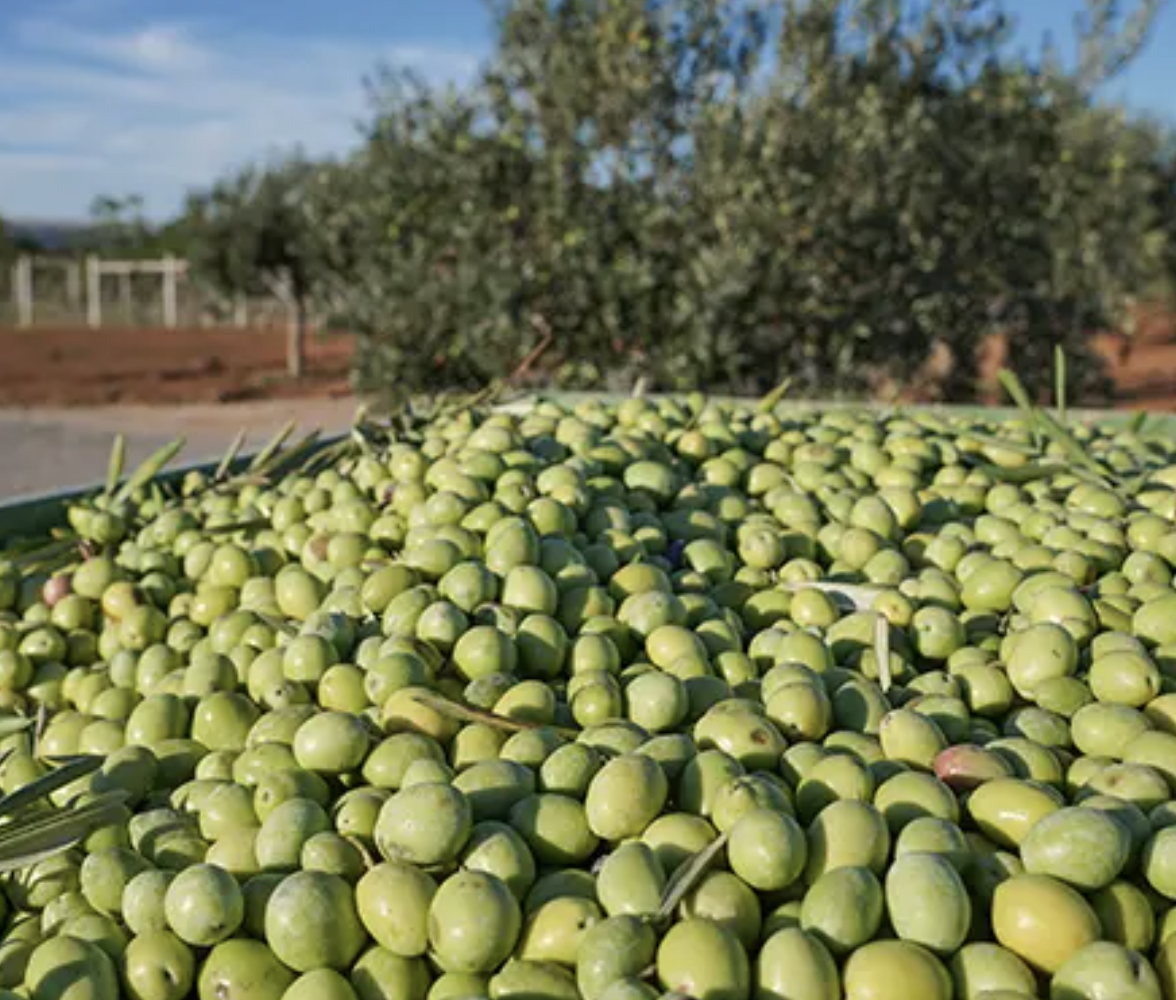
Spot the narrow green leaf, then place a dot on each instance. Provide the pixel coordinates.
(1023, 473)
(39, 729)
(1042, 421)
(1006, 444)
(1136, 483)
(1137, 422)
(359, 439)
(271, 449)
(882, 650)
(255, 524)
(20, 861)
(10, 724)
(22, 844)
(289, 457)
(1069, 444)
(117, 463)
(321, 457)
(152, 466)
(687, 876)
(70, 771)
(230, 456)
(46, 553)
(1060, 381)
(1012, 385)
(768, 402)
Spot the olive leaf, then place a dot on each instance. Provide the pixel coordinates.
(271, 448)
(1022, 473)
(117, 463)
(45, 554)
(288, 458)
(769, 400)
(232, 527)
(1003, 443)
(1012, 385)
(151, 467)
(71, 770)
(1043, 422)
(882, 650)
(12, 724)
(24, 842)
(230, 456)
(687, 876)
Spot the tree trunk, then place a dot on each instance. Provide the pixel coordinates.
(296, 340)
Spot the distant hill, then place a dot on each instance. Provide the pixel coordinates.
(48, 234)
(58, 236)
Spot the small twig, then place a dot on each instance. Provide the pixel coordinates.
(465, 714)
(368, 860)
(547, 338)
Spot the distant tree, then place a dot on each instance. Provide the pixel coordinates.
(250, 234)
(119, 225)
(14, 242)
(724, 194)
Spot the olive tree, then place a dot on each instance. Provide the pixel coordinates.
(249, 234)
(727, 193)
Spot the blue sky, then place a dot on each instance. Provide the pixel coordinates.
(154, 96)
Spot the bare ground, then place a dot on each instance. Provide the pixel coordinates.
(72, 366)
(65, 392)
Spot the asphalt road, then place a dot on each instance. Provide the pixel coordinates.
(43, 450)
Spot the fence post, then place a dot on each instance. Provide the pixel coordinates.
(124, 288)
(73, 283)
(22, 280)
(169, 292)
(93, 292)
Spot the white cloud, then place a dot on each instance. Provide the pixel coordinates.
(156, 106)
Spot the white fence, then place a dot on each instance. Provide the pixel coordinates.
(95, 291)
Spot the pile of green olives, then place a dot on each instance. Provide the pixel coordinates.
(614, 701)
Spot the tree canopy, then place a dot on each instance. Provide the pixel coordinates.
(725, 193)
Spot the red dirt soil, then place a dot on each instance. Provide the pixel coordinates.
(1144, 368)
(68, 366)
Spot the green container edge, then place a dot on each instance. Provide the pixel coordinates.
(39, 513)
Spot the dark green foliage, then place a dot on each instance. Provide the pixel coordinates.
(725, 193)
